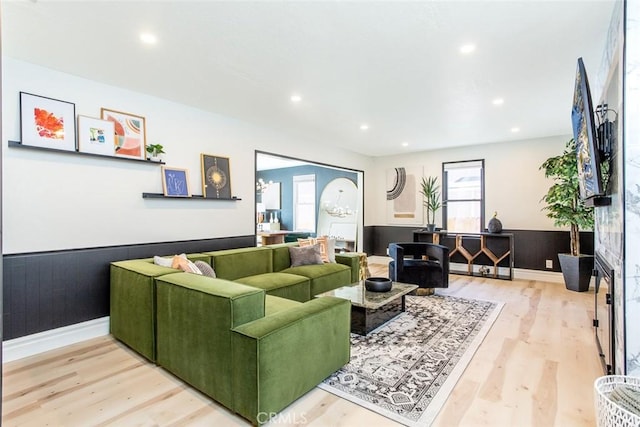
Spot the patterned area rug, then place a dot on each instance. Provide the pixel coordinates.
(406, 368)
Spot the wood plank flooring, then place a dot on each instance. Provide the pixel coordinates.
(536, 367)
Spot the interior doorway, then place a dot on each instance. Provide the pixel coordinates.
(336, 205)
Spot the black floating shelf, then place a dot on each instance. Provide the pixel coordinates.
(193, 197)
(17, 144)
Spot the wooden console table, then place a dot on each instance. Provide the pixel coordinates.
(485, 249)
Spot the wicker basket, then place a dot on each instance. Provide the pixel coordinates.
(608, 412)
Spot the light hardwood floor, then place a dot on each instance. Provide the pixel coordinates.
(536, 367)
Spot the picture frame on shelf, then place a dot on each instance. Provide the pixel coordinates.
(130, 134)
(216, 177)
(175, 182)
(96, 136)
(47, 122)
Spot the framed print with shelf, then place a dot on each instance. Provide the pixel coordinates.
(47, 122)
(95, 136)
(216, 178)
(129, 132)
(175, 182)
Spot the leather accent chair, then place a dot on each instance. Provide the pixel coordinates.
(422, 264)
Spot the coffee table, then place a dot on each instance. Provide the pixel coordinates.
(369, 310)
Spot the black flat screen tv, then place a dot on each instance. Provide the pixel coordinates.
(584, 133)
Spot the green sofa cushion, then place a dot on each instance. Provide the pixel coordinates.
(195, 317)
(273, 304)
(284, 285)
(323, 277)
(233, 264)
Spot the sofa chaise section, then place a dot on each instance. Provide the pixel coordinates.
(215, 335)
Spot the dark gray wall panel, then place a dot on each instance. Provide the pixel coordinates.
(48, 290)
(532, 247)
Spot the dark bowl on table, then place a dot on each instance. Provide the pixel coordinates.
(377, 284)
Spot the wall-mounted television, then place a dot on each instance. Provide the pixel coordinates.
(584, 133)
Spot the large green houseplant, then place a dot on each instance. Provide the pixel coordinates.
(566, 208)
(430, 191)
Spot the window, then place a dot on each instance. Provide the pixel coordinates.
(463, 196)
(304, 203)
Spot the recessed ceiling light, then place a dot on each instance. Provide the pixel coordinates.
(515, 129)
(467, 48)
(498, 101)
(296, 98)
(364, 126)
(405, 144)
(148, 38)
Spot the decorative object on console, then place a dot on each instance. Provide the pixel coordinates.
(216, 178)
(95, 136)
(430, 191)
(566, 208)
(154, 151)
(47, 122)
(377, 284)
(495, 225)
(175, 182)
(130, 133)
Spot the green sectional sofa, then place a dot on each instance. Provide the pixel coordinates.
(254, 338)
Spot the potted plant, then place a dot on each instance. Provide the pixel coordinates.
(430, 191)
(154, 151)
(566, 208)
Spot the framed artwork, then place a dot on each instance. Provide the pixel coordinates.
(404, 202)
(175, 182)
(216, 179)
(47, 122)
(129, 132)
(95, 136)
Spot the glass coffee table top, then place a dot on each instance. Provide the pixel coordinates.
(360, 297)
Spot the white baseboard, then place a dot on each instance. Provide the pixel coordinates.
(55, 338)
(543, 276)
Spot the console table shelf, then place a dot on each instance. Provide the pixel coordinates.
(17, 144)
(494, 250)
(193, 197)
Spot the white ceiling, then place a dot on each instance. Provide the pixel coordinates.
(394, 65)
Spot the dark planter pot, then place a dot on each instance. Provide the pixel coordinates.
(430, 228)
(577, 271)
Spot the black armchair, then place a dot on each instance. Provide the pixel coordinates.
(423, 264)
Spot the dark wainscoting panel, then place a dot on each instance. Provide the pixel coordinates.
(48, 290)
(532, 247)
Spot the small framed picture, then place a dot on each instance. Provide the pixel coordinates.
(216, 178)
(96, 136)
(47, 122)
(129, 132)
(175, 182)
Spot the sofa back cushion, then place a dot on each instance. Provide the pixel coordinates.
(281, 256)
(233, 264)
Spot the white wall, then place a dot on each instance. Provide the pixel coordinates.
(514, 184)
(59, 201)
